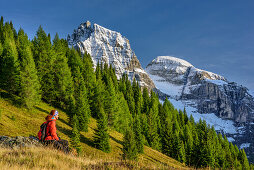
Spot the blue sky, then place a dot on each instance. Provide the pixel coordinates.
(215, 35)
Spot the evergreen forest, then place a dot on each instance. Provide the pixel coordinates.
(46, 69)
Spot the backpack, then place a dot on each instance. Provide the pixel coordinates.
(42, 132)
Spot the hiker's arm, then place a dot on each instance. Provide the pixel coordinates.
(53, 131)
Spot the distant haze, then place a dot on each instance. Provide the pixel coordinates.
(217, 36)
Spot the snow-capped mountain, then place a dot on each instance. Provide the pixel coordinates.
(225, 105)
(109, 46)
(210, 92)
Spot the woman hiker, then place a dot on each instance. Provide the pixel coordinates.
(48, 136)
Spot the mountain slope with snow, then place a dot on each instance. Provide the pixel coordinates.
(109, 47)
(208, 96)
(210, 92)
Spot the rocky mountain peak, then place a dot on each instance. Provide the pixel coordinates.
(109, 47)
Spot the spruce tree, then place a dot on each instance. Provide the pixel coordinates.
(113, 77)
(89, 76)
(10, 66)
(129, 96)
(1, 29)
(101, 137)
(44, 59)
(63, 83)
(74, 60)
(110, 101)
(29, 80)
(98, 96)
(82, 108)
(138, 134)
(75, 135)
(130, 151)
(137, 97)
(122, 117)
(146, 101)
(167, 140)
(153, 122)
(243, 159)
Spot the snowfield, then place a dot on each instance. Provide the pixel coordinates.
(225, 126)
(230, 139)
(165, 87)
(244, 145)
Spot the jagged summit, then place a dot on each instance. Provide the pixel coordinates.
(109, 47)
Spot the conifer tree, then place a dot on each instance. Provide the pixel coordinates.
(10, 66)
(82, 108)
(1, 29)
(153, 122)
(29, 80)
(189, 144)
(98, 95)
(167, 140)
(75, 137)
(182, 156)
(101, 137)
(145, 128)
(89, 76)
(110, 101)
(1, 51)
(113, 77)
(122, 117)
(138, 134)
(243, 159)
(63, 83)
(74, 60)
(129, 96)
(44, 60)
(137, 97)
(130, 151)
(146, 101)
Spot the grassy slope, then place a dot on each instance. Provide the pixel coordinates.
(15, 121)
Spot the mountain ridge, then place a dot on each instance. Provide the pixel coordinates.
(109, 47)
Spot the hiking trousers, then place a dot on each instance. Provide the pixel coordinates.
(58, 144)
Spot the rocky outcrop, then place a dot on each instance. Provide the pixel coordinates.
(19, 142)
(227, 101)
(109, 47)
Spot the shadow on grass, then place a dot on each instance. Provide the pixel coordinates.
(63, 121)
(42, 110)
(116, 140)
(15, 100)
(83, 139)
(86, 141)
(64, 130)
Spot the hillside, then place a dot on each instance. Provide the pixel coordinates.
(15, 121)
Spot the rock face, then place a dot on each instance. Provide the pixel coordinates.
(207, 94)
(19, 142)
(109, 47)
(210, 92)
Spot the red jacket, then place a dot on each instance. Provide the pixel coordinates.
(51, 129)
